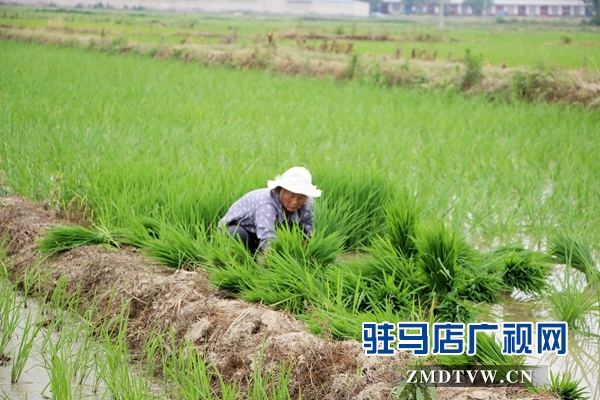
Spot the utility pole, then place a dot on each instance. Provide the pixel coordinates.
(441, 25)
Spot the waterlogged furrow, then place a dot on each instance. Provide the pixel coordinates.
(55, 353)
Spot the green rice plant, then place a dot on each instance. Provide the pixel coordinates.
(60, 371)
(30, 332)
(355, 207)
(65, 238)
(440, 256)
(346, 287)
(234, 277)
(121, 378)
(317, 251)
(575, 304)
(82, 355)
(480, 286)
(10, 310)
(388, 292)
(185, 368)
(574, 252)
(565, 387)
(225, 252)
(450, 308)
(523, 269)
(286, 283)
(385, 260)
(178, 249)
(488, 355)
(267, 385)
(402, 218)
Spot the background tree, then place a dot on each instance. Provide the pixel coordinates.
(595, 4)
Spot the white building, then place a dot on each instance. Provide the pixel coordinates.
(513, 8)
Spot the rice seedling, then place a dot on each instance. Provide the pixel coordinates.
(267, 385)
(178, 249)
(286, 283)
(440, 256)
(480, 286)
(62, 239)
(30, 331)
(568, 250)
(384, 259)
(523, 269)
(60, 372)
(187, 371)
(565, 387)
(121, 378)
(10, 310)
(320, 250)
(402, 217)
(488, 355)
(576, 304)
(450, 308)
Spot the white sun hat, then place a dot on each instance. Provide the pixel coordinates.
(296, 180)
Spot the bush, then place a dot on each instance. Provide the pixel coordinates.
(473, 72)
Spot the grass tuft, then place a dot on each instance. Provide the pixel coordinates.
(567, 388)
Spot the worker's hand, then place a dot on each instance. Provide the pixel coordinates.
(260, 257)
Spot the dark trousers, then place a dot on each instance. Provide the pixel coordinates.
(250, 240)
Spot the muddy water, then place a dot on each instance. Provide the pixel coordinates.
(582, 360)
(33, 383)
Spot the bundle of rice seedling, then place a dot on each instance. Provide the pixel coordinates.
(223, 250)
(385, 260)
(576, 253)
(389, 293)
(65, 238)
(286, 278)
(177, 248)
(451, 308)
(354, 207)
(479, 281)
(523, 269)
(488, 355)
(402, 217)
(320, 250)
(233, 277)
(441, 255)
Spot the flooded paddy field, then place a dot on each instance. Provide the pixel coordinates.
(130, 161)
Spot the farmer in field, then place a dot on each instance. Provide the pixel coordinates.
(286, 201)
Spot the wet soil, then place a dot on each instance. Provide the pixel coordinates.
(229, 332)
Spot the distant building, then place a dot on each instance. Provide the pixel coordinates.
(509, 8)
(348, 8)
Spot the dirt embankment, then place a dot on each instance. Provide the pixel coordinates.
(229, 332)
(334, 57)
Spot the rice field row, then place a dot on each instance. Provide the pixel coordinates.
(559, 43)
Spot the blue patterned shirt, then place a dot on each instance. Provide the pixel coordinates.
(258, 212)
